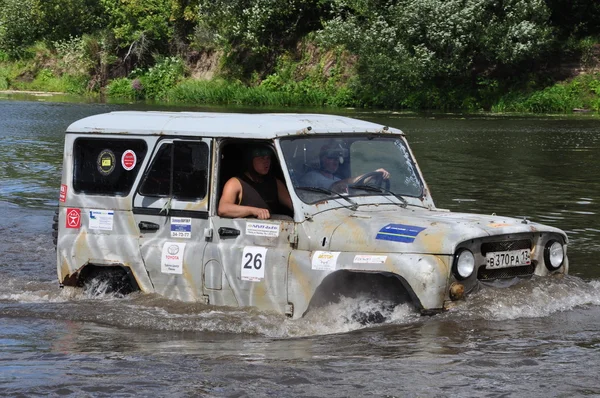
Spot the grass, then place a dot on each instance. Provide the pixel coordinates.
(580, 93)
(225, 92)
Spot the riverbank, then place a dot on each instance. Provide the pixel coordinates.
(293, 84)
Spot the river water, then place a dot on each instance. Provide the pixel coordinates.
(538, 338)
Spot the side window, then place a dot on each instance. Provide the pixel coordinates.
(179, 170)
(106, 166)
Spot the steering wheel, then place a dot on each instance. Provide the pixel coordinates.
(376, 178)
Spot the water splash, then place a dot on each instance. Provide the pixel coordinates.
(539, 297)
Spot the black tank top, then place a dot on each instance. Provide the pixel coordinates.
(260, 194)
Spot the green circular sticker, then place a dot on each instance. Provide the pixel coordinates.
(106, 162)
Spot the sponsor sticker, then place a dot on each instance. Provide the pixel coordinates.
(172, 258)
(101, 219)
(73, 218)
(62, 197)
(106, 162)
(128, 160)
(262, 229)
(399, 233)
(254, 261)
(369, 259)
(181, 227)
(324, 261)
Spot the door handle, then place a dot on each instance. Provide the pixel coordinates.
(225, 232)
(148, 226)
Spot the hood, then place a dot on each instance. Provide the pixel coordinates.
(410, 231)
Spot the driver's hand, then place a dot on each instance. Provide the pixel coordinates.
(386, 174)
(261, 214)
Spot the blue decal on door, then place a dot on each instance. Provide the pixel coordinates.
(399, 233)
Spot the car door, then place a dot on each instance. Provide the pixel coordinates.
(246, 259)
(246, 262)
(171, 212)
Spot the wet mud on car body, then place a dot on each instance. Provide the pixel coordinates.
(140, 191)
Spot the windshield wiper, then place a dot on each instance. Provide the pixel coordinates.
(373, 188)
(330, 192)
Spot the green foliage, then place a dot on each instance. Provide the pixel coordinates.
(233, 92)
(123, 88)
(60, 20)
(140, 24)
(23, 22)
(18, 25)
(252, 32)
(586, 48)
(157, 80)
(46, 80)
(73, 56)
(9, 71)
(582, 92)
(406, 44)
(577, 18)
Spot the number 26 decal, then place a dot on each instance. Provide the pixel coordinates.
(255, 259)
(253, 263)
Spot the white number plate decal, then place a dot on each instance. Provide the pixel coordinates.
(512, 258)
(253, 263)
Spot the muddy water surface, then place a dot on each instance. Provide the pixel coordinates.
(538, 338)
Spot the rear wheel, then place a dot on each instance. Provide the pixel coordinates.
(102, 280)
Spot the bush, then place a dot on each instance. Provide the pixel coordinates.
(18, 25)
(61, 20)
(141, 26)
(160, 78)
(124, 88)
(582, 92)
(253, 32)
(406, 45)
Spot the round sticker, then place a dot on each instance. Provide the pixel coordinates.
(106, 162)
(128, 160)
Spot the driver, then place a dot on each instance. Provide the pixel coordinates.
(329, 161)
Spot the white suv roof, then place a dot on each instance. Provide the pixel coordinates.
(235, 125)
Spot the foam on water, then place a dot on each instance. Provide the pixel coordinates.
(539, 297)
(528, 299)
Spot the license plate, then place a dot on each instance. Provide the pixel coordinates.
(512, 258)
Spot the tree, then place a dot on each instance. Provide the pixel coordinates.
(18, 27)
(252, 32)
(578, 18)
(406, 44)
(63, 19)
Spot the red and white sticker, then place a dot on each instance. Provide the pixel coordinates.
(73, 218)
(63, 193)
(128, 160)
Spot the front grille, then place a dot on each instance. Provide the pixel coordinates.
(504, 246)
(505, 273)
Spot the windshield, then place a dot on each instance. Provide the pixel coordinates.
(350, 165)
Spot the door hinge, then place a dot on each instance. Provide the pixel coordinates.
(293, 239)
(208, 233)
(205, 300)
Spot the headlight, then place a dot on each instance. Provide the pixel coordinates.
(464, 264)
(554, 255)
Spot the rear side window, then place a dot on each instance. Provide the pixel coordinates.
(106, 166)
(178, 170)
